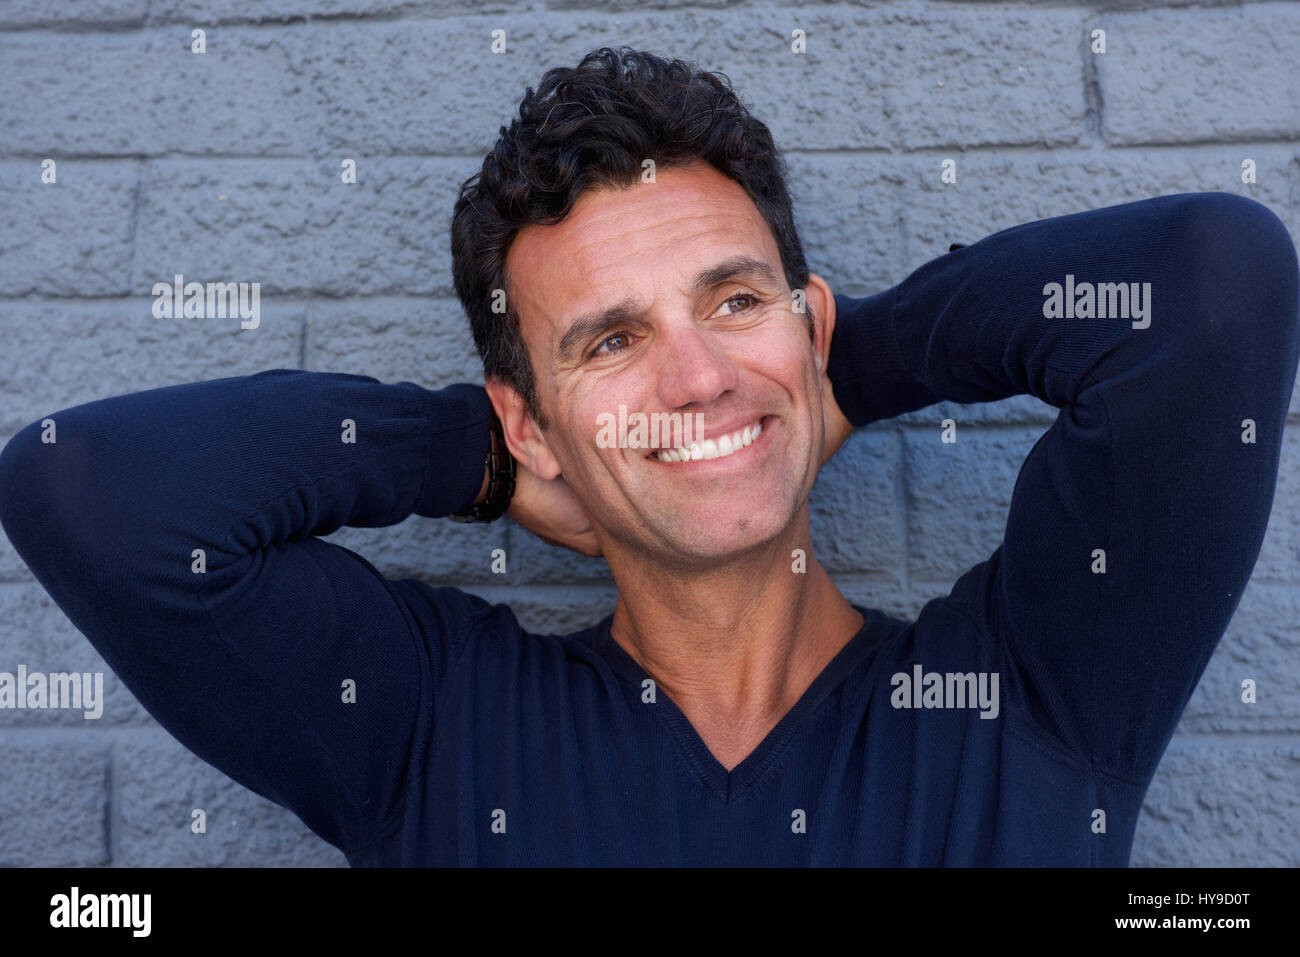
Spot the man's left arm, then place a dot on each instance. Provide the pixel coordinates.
(1137, 518)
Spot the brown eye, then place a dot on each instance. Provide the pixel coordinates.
(616, 337)
(743, 297)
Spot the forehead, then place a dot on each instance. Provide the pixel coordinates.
(612, 241)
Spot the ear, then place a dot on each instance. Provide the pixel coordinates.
(523, 437)
(820, 300)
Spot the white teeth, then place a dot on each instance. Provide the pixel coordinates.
(713, 448)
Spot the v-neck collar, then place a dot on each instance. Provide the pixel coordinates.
(717, 780)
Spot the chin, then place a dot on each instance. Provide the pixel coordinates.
(717, 538)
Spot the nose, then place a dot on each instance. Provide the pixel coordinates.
(693, 368)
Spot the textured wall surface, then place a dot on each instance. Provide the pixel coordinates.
(225, 166)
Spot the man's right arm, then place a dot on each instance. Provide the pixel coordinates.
(177, 528)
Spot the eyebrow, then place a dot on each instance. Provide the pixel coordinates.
(585, 327)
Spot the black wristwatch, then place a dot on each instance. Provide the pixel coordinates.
(501, 480)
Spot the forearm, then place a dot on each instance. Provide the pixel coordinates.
(226, 467)
(976, 325)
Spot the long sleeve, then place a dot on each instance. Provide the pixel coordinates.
(1138, 516)
(176, 528)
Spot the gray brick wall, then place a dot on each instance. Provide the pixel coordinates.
(225, 165)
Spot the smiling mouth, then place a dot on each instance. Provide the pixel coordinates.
(720, 447)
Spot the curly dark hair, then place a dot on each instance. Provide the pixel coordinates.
(594, 125)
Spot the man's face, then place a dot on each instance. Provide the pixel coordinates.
(732, 348)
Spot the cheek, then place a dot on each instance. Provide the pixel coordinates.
(792, 368)
(781, 351)
(579, 436)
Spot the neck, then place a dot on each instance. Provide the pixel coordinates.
(735, 645)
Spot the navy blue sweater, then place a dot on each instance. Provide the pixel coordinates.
(1134, 526)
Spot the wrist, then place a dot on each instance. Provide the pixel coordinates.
(498, 484)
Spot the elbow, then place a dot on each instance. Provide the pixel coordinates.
(19, 485)
(46, 478)
(1240, 286)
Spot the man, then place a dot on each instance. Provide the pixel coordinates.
(735, 708)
